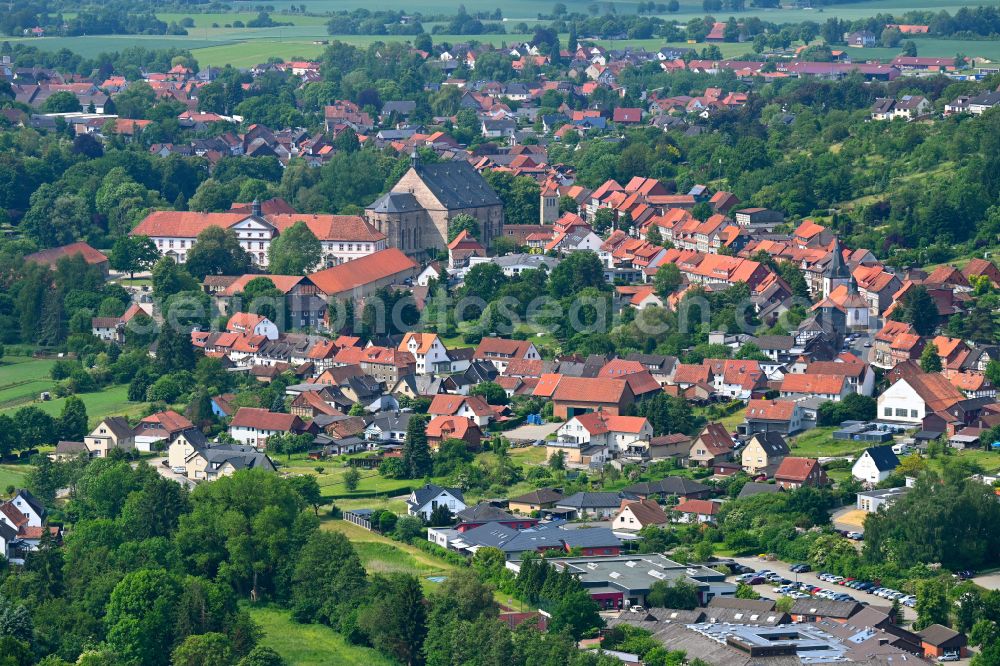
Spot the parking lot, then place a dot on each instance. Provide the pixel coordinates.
(811, 578)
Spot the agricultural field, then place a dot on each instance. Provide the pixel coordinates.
(310, 644)
(22, 379)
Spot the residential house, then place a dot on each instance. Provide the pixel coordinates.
(441, 428)
(158, 428)
(696, 511)
(763, 453)
(500, 352)
(536, 500)
(618, 433)
(794, 472)
(252, 426)
(599, 505)
(636, 514)
(825, 387)
(424, 500)
(875, 464)
(713, 445)
(784, 417)
(472, 407)
(114, 432)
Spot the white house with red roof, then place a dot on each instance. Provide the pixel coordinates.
(696, 511)
(472, 407)
(598, 428)
(253, 426)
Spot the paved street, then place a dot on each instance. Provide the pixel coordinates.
(810, 577)
(989, 581)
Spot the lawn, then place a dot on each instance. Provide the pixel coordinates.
(12, 475)
(310, 644)
(331, 479)
(819, 443)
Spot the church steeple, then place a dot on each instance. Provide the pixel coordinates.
(837, 269)
(414, 159)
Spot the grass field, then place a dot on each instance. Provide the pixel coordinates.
(112, 401)
(819, 443)
(22, 379)
(310, 644)
(12, 475)
(381, 554)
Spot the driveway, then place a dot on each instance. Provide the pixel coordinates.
(810, 577)
(167, 473)
(530, 433)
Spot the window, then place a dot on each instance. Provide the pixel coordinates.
(913, 413)
(888, 411)
(900, 412)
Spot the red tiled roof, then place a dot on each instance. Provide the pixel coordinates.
(813, 384)
(263, 419)
(698, 506)
(795, 469)
(169, 420)
(54, 254)
(381, 265)
(599, 423)
(586, 389)
(330, 227)
(770, 410)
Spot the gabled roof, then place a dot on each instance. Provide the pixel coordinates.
(540, 496)
(795, 469)
(588, 500)
(772, 442)
(424, 494)
(813, 384)
(362, 271)
(934, 389)
(698, 506)
(457, 185)
(599, 423)
(883, 457)
(263, 419)
(647, 512)
(54, 254)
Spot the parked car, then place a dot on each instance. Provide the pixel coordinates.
(856, 536)
(949, 656)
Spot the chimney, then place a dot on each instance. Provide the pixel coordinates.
(255, 208)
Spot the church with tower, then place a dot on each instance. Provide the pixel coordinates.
(415, 214)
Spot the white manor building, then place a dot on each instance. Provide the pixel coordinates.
(343, 237)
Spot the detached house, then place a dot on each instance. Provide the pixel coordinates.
(763, 453)
(785, 417)
(696, 511)
(825, 387)
(634, 515)
(423, 501)
(618, 433)
(875, 464)
(713, 445)
(252, 426)
(797, 472)
(113, 432)
(472, 407)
